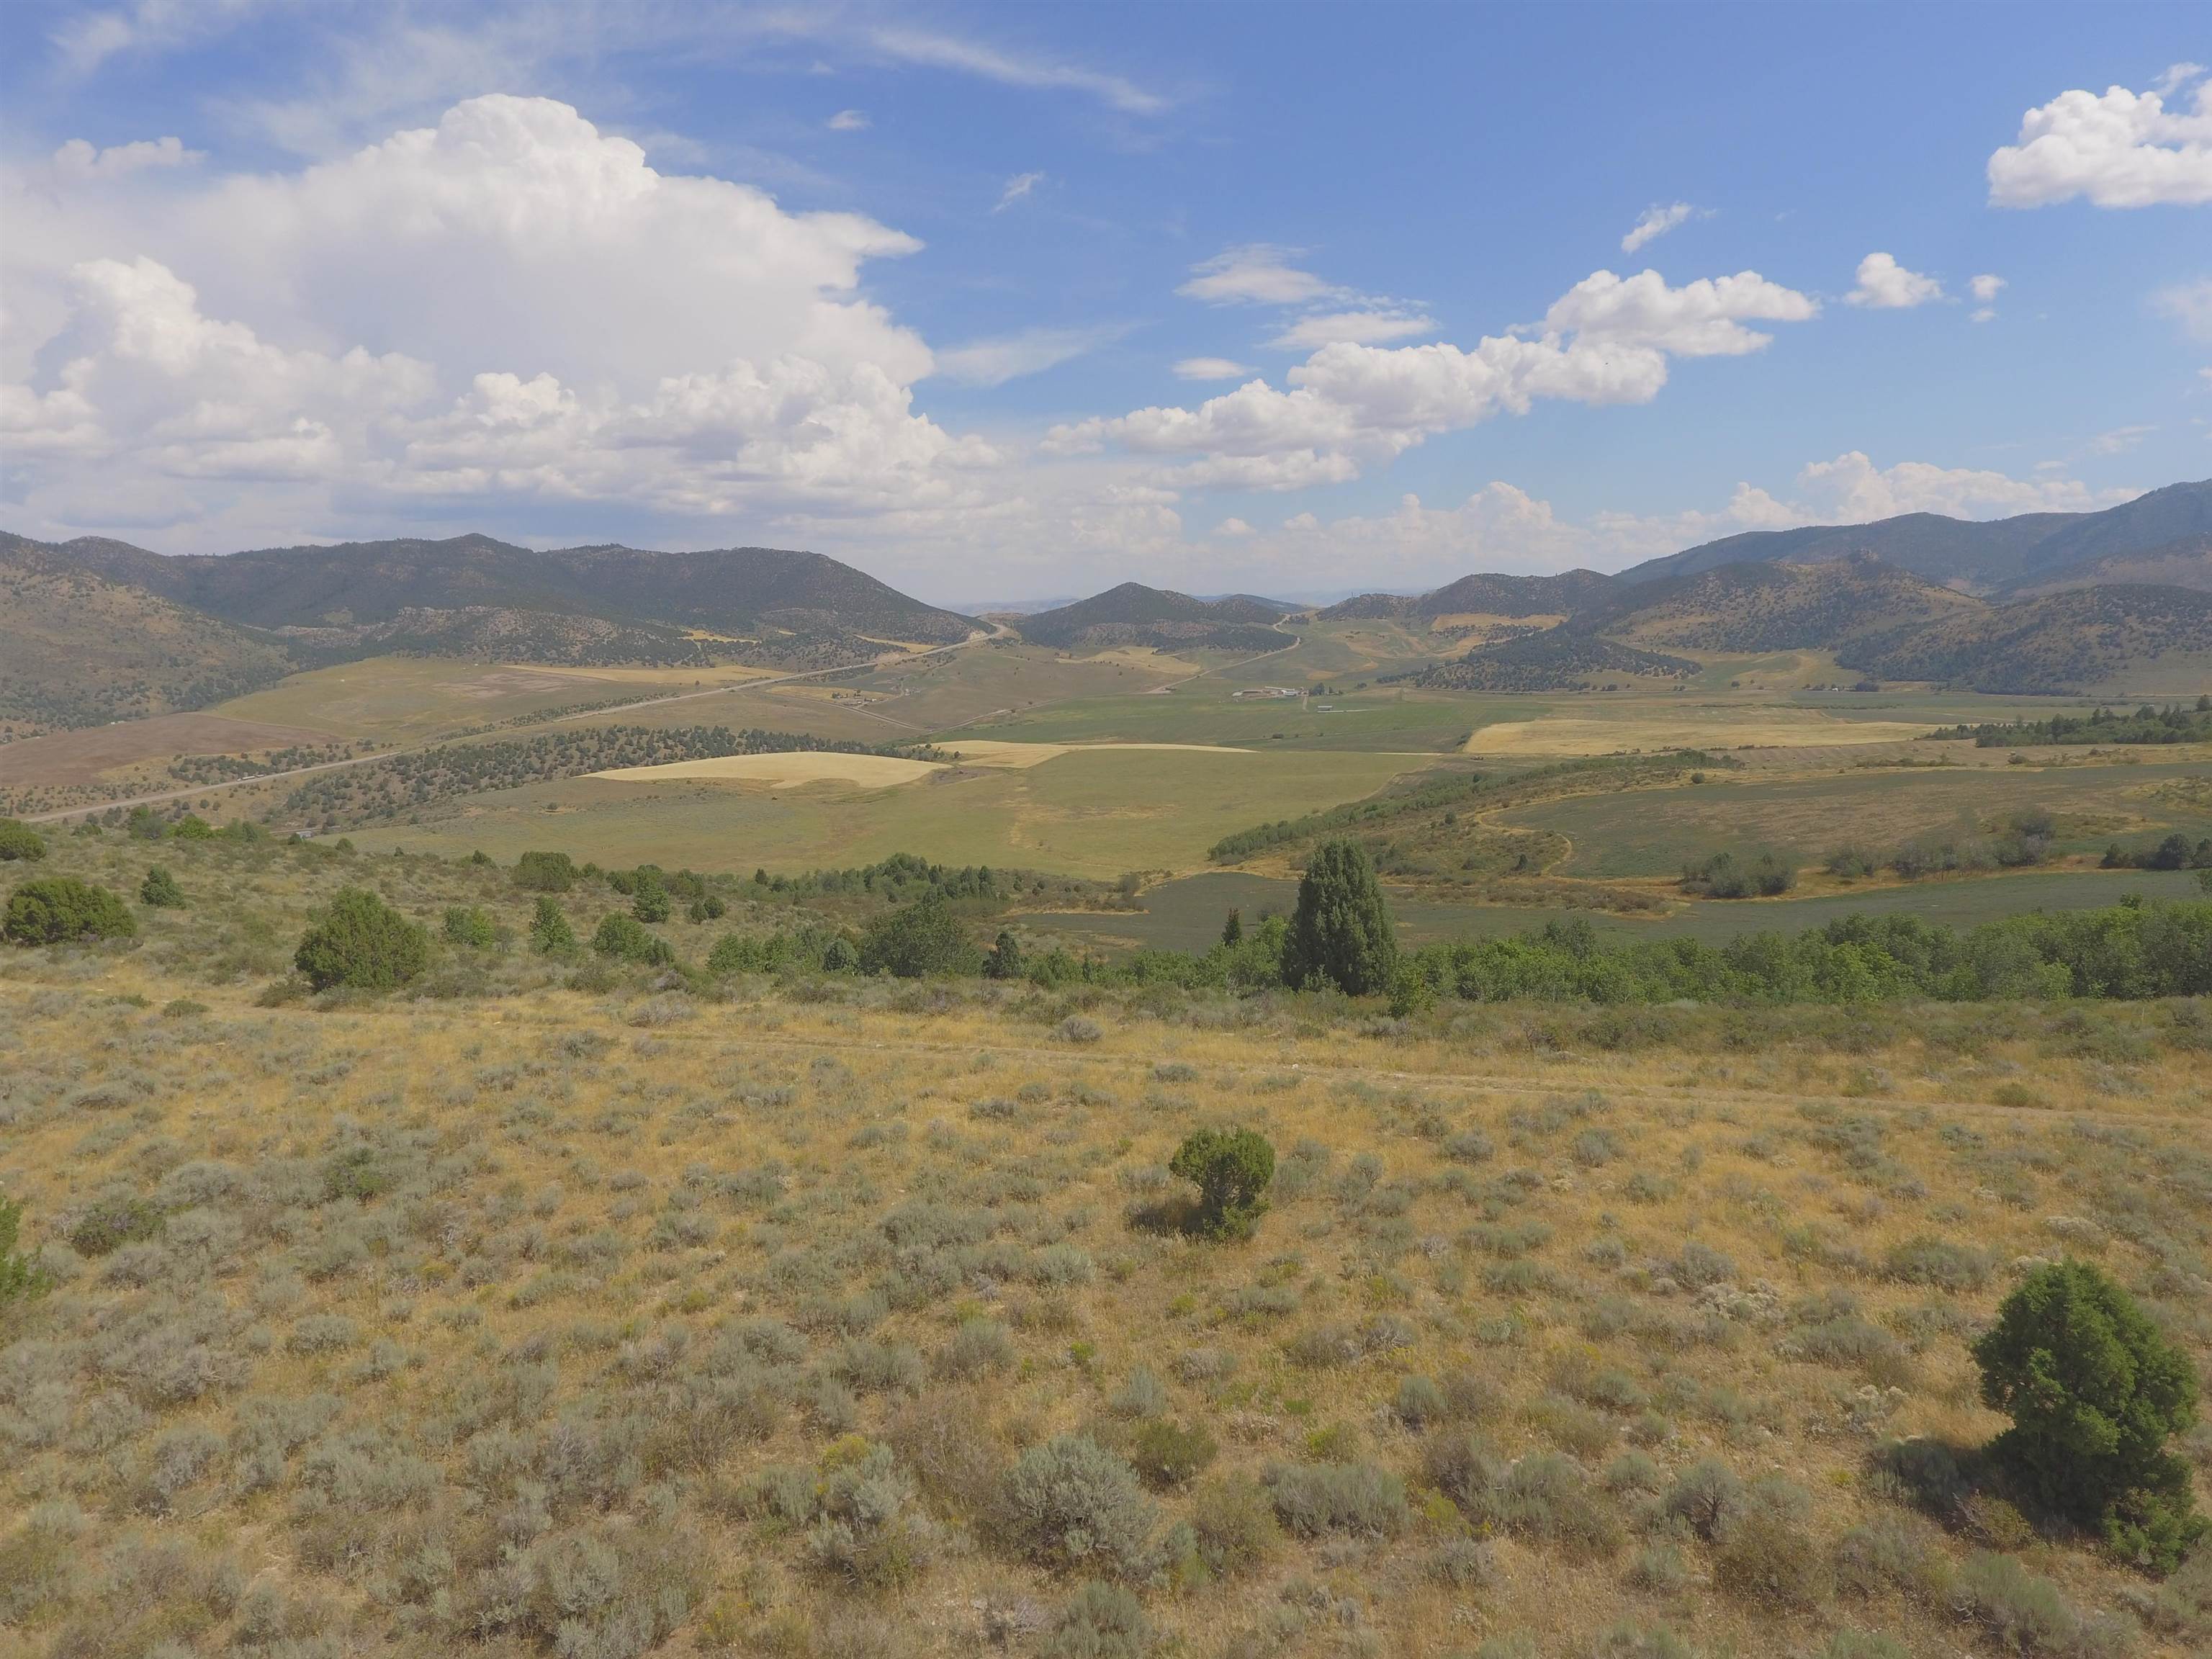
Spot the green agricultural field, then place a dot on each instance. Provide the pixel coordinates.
(1652, 832)
(1187, 915)
(1093, 814)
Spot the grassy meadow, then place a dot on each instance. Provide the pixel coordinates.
(561, 1310)
(1091, 812)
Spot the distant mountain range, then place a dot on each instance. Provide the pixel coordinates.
(2048, 602)
(95, 630)
(1135, 615)
(1995, 556)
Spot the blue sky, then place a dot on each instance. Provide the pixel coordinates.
(1001, 302)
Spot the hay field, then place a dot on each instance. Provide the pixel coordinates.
(783, 770)
(592, 1321)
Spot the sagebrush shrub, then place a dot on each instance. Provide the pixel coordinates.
(1070, 1503)
(1314, 1499)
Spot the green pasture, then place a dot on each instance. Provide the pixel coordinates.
(1207, 711)
(1095, 814)
(1653, 831)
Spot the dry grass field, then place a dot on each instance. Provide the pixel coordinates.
(592, 1313)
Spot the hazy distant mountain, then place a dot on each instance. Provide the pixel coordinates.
(1486, 595)
(1134, 613)
(1975, 556)
(2184, 563)
(93, 629)
(736, 593)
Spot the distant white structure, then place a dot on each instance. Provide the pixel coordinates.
(1265, 691)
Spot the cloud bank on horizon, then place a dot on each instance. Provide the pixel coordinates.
(518, 316)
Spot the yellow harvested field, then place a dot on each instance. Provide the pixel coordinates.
(783, 771)
(1020, 757)
(1144, 657)
(1703, 728)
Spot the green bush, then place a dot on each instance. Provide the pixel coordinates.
(1004, 960)
(468, 925)
(1722, 877)
(630, 940)
(917, 939)
(57, 909)
(2094, 1392)
(649, 896)
(545, 872)
(159, 888)
(19, 1278)
(19, 840)
(1235, 1521)
(192, 827)
(1231, 1169)
(1167, 1454)
(1341, 933)
(362, 943)
(550, 933)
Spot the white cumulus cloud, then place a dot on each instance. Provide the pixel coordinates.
(1886, 285)
(849, 120)
(509, 305)
(1606, 341)
(2118, 150)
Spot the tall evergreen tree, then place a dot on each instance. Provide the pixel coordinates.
(1342, 934)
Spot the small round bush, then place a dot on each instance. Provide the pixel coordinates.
(59, 909)
(631, 940)
(19, 840)
(1231, 1169)
(2094, 1391)
(362, 943)
(550, 933)
(468, 925)
(1070, 1503)
(159, 888)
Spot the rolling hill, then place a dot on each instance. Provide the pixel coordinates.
(1774, 607)
(1134, 613)
(77, 649)
(2080, 639)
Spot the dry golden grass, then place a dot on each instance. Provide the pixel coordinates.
(569, 1212)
